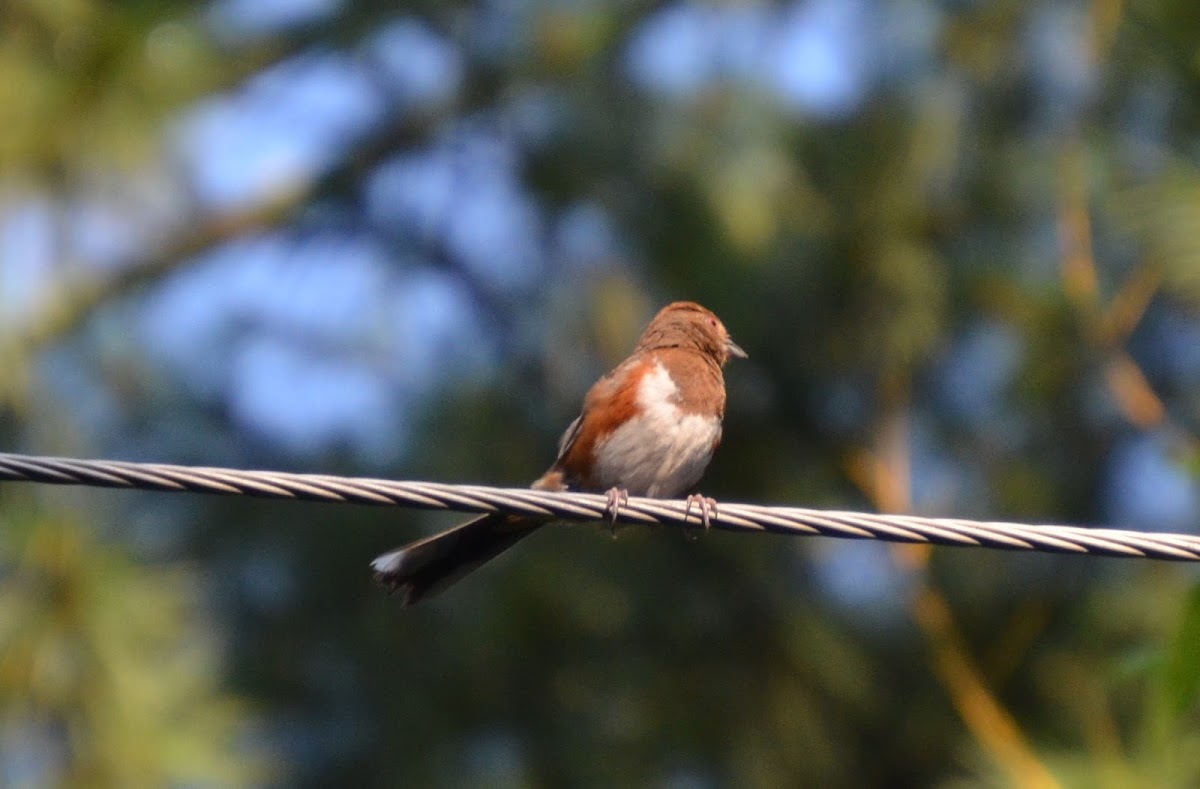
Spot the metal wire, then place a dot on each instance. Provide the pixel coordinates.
(592, 507)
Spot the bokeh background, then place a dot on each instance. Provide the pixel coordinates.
(958, 239)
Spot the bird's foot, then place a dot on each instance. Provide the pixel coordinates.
(617, 498)
(707, 507)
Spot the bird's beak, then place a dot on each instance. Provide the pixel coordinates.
(735, 350)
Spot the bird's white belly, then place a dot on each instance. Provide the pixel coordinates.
(661, 452)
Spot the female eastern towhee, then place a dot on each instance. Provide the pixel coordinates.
(648, 428)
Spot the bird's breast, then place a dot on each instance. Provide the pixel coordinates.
(663, 449)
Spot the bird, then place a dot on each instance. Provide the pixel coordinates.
(649, 428)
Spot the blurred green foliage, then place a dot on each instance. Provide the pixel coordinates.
(969, 291)
(110, 668)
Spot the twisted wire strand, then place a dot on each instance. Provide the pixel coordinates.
(592, 507)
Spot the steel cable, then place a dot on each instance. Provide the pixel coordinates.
(592, 507)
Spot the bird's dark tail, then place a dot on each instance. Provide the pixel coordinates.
(425, 567)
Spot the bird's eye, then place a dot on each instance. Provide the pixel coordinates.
(712, 322)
